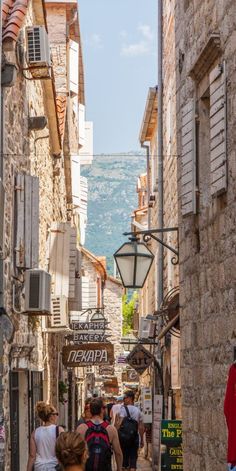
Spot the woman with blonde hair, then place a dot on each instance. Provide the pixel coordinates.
(42, 456)
(71, 451)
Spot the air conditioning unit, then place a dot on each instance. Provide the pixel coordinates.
(2, 209)
(60, 316)
(38, 50)
(144, 328)
(37, 292)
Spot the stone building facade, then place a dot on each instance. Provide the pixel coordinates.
(102, 291)
(36, 186)
(206, 84)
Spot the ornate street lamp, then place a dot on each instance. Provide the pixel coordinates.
(133, 260)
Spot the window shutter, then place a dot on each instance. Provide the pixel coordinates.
(75, 175)
(75, 301)
(92, 294)
(188, 160)
(27, 224)
(85, 292)
(72, 261)
(74, 66)
(218, 130)
(59, 250)
(81, 124)
(2, 210)
(20, 214)
(35, 223)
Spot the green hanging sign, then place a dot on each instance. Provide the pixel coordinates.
(171, 440)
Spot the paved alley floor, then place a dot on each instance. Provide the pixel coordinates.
(144, 465)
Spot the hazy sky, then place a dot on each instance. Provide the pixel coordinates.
(119, 49)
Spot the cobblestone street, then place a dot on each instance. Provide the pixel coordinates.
(144, 465)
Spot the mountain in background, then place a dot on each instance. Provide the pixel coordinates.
(112, 197)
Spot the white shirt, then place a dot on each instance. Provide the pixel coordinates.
(45, 439)
(115, 410)
(135, 413)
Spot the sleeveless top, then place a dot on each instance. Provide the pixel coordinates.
(45, 439)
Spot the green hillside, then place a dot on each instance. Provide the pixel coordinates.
(112, 197)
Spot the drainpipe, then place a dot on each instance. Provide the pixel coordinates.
(160, 155)
(148, 181)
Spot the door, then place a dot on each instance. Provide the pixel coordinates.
(36, 394)
(14, 420)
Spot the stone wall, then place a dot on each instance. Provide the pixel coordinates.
(113, 312)
(29, 152)
(207, 244)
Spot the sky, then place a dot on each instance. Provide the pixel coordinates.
(119, 40)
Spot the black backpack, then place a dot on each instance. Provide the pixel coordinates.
(128, 431)
(99, 447)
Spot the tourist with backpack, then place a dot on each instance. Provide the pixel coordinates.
(101, 438)
(130, 431)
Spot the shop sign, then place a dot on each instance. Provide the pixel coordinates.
(172, 459)
(86, 337)
(83, 326)
(130, 376)
(88, 354)
(171, 437)
(171, 431)
(106, 370)
(139, 359)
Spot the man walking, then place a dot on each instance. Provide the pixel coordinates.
(130, 432)
(101, 438)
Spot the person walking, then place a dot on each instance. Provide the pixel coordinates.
(42, 456)
(71, 451)
(101, 439)
(86, 414)
(130, 431)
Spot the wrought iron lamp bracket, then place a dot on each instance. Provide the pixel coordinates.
(151, 234)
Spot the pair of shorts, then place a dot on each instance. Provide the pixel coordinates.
(130, 456)
(231, 467)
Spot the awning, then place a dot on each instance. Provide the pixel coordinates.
(168, 327)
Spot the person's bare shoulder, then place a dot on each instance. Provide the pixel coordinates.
(82, 429)
(112, 432)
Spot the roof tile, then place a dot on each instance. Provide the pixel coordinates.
(61, 112)
(13, 16)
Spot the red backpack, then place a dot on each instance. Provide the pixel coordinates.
(99, 447)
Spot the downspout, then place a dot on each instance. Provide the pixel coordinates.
(160, 156)
(144, 146)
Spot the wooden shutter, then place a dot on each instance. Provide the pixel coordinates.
(75, 302)
(27, 221)
(93, 294)
(74, 66)
(188, 160)
(85, 292)
(218, 130)
(81, 124)
(59, 253)
(75, 175)
(2, 213)
(72, 261)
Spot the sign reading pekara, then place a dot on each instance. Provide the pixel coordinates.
(88, 354)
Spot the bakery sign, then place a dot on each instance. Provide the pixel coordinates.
(88, 354)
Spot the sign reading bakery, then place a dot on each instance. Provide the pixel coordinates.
(88, 354)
